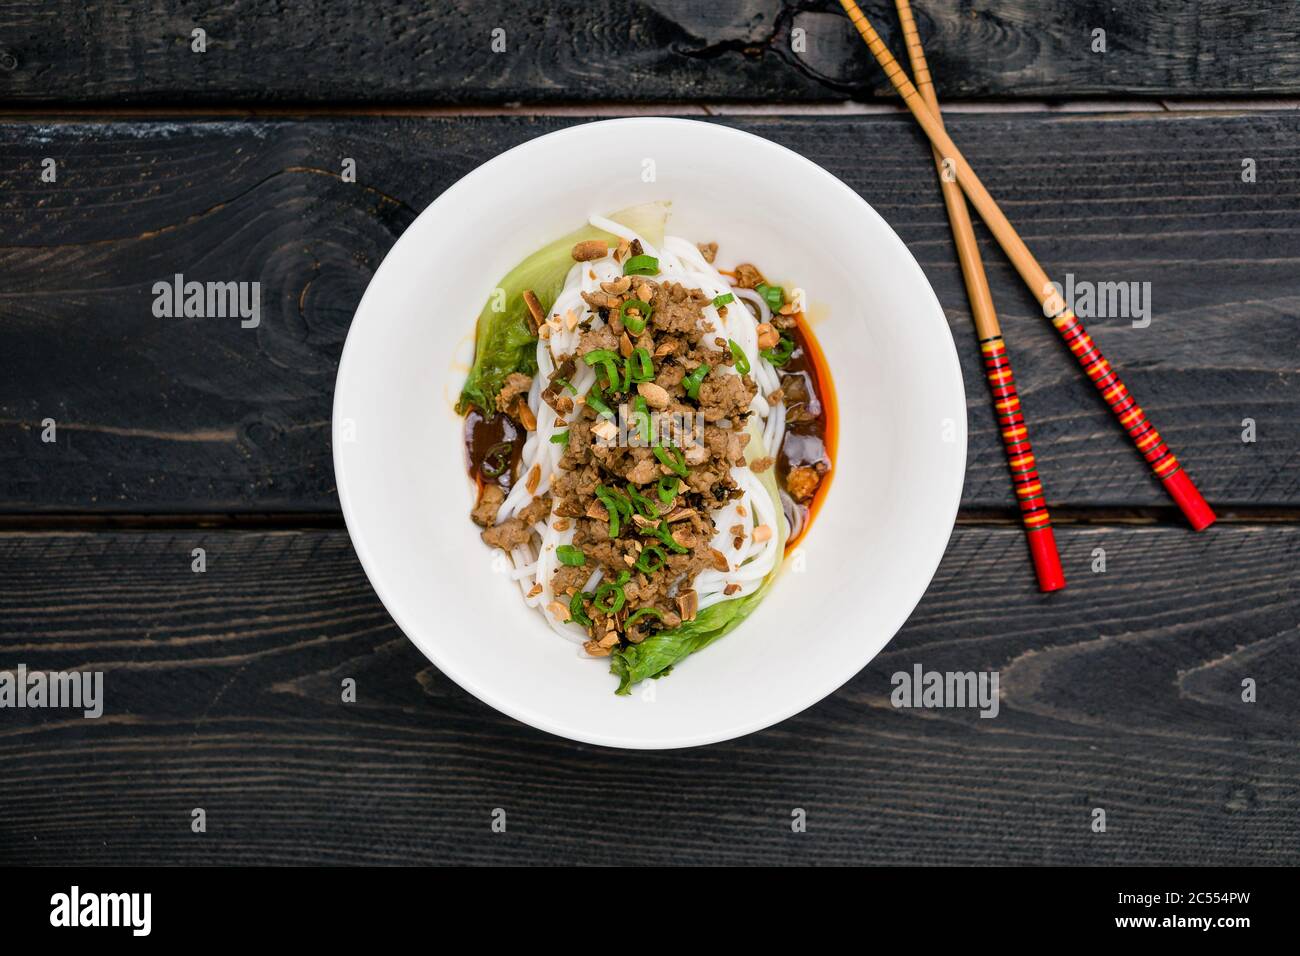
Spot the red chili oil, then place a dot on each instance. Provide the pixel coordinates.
(811, 437)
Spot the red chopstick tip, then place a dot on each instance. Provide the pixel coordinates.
(1047, 563)
(1188, 498)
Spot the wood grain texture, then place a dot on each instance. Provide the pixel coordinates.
(186, 415)
(401, 51)
(222, 689)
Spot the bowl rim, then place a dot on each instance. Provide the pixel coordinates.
(522, 713)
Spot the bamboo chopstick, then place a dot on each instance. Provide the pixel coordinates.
(997, 363)
(1121, 401)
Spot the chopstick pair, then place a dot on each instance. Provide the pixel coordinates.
(1025, 480)
(925, 111)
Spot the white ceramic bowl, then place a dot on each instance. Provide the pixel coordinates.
(887, 516)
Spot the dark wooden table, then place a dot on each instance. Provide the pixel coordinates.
(1123, 692)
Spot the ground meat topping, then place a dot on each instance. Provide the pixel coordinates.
(677, 309)
(489, 501)
(726, 396)
(608, 492)
(748, 276)
(517, 383)
(802, 483)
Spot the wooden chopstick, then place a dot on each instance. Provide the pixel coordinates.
(1121, 401)
(997, 363)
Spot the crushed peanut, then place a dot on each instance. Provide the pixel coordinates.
(525, 415)
(688, 603)
(601, 300)
(655, 395)
(536, 314)
(590, 249)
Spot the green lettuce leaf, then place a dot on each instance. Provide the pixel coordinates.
(656, 654)
(503, 342)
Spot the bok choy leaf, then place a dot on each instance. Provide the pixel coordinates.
(503, 341)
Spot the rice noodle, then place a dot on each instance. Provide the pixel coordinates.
(679, 261)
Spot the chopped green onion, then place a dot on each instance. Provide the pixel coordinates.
(661, 532)
(642, 265)
(641, 368)
(780, 355)
(573, 557)
(637, 615)
(576, 612)
(613, 506)
(614, 588)
(563, 382)
(724, 299)
(608, 361)
(636, 323)
(641, 414)
(497, 459)
(595, 401)
(650, 551)
(671, 457)
(620, 502)
(693, 381)
(560, 438)
(643, 505)
(773, 295)
(742, 360)
(668, 488)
